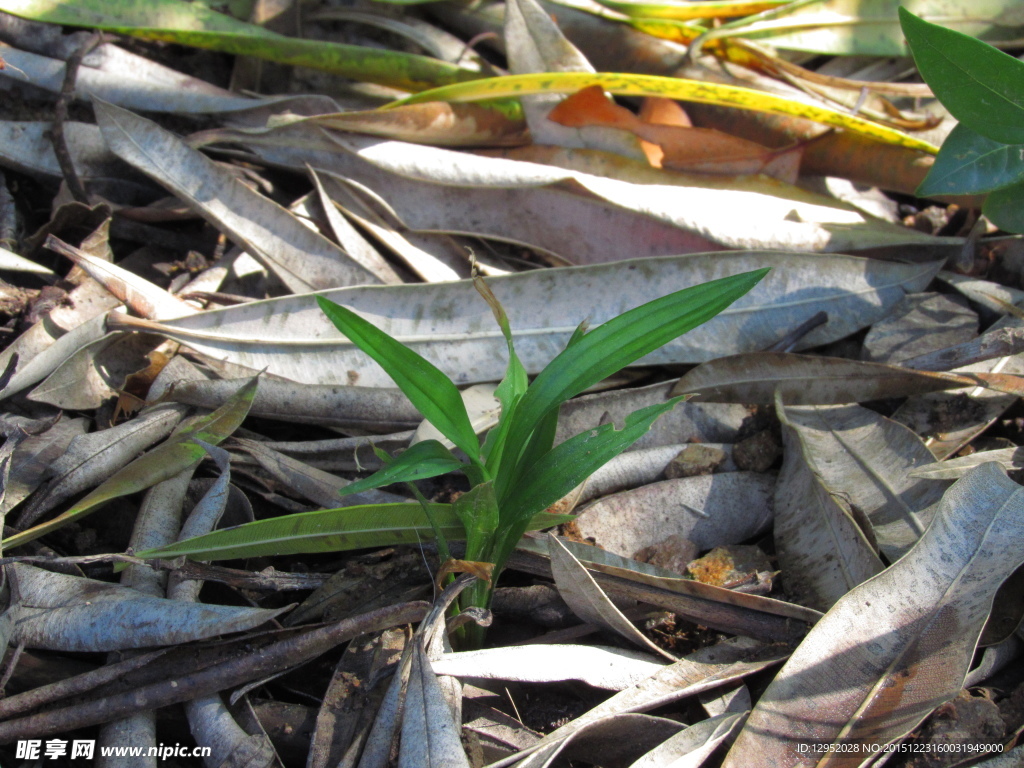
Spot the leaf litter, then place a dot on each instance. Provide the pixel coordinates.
(869, 460)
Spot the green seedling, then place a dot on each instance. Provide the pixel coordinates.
(517, 472)
(983, 88)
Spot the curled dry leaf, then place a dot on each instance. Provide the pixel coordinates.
(303, 259)
(438, 123)
(612, 669)
(901, 643)
(699, 671)
(69, 613)
(653, 213)
(805, 380)
(588, 601)
(953, 469)
(823, 550)
(709, 510)
(162, 463)
(691, 747)
(335, 405)
(451, 326)
(869, 460)
(91, 457)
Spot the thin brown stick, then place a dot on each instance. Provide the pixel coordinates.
(236, 670)
(60, 117)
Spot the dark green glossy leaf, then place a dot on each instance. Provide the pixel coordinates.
(609, 348)
(981, 86)
(422, 460)
(970, 163)
(1005, 208)
(327, 530)
(429, 390)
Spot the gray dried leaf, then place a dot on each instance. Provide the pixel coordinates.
(709, 510)
(32, 456)
(807, 380)
(905, 638)
(450, 325)
(702, 670)
(430, 738)
(823, 550)
(869, 461)
(953, 469)
(920, 323)
(303, 259)
(691, 747)
(588, 600)
(69, 613)
(96, 456)
(383, 409)
(612, 669)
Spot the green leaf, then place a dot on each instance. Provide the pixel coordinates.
(512, 386)
(192, 24)
(970, 163)
(478, 511)
(429, 390)
(327, 530)
(1005, 208)
(177, 453)
(981, 86)
(567, 465)
(609, 348)
(422, 460)
(543, 436)
(515, 382)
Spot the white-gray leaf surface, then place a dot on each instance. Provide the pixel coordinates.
(69, 613)
(601, 667)
(901, 643)
(303, 259)
(869, 460)
(450, 325)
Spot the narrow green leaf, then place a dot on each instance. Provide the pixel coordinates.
(969, 163)
(515, 382)
(512, 386)
(435, 525)
(422, 460)
(543, 436)
(191, 24)
(609, 348)
(327, 530)
(478, 511)
(567, 465)
(177, 453)
(429, 390)
(981, 86)
(1005, 208)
